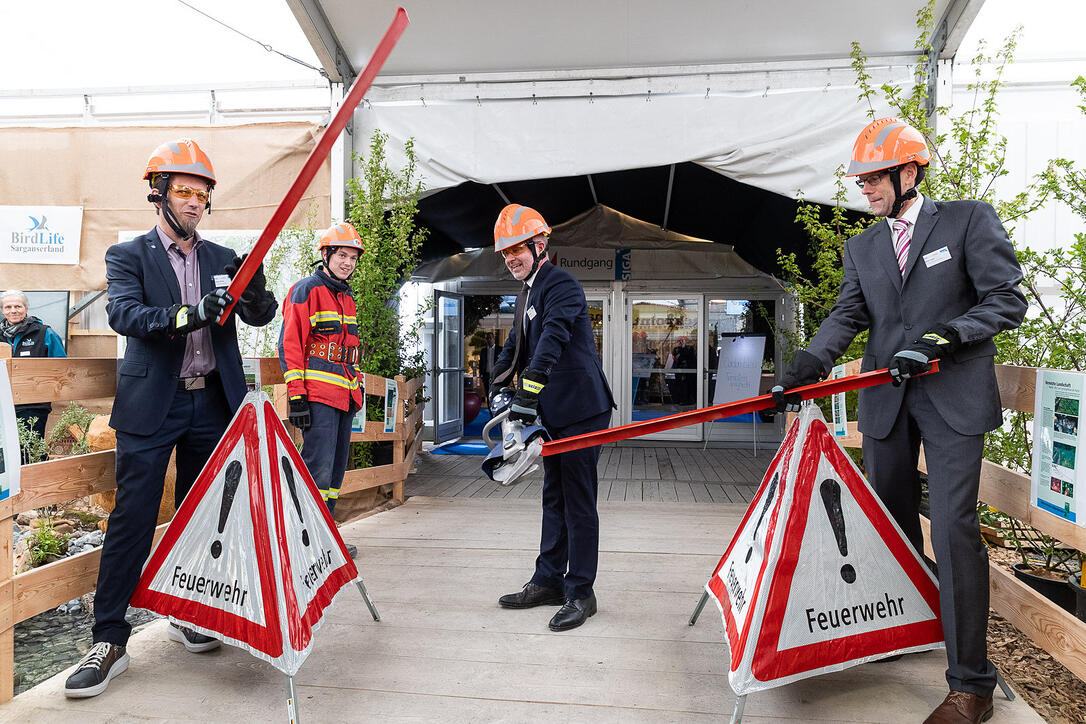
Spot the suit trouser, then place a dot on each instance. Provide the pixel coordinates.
(195, 423)
(570, 541)
(953, 462)
(325, 448)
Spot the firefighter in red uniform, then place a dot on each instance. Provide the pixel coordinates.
(318, 351)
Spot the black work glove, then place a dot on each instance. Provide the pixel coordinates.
(806, 369)
(525, 405)
(299, 412)
(258, 285)
(939, 341)
(185, 318)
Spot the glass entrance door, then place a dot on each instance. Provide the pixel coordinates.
(664, 361)
(448, 366)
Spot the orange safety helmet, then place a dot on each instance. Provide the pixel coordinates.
(181, 156)
(340, 235)
(517, 223)
(886, 143)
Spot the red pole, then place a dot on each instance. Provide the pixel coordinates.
(706, 414)
(316, 158)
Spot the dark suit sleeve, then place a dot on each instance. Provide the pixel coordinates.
(849, 317)
(562, 304)
(995, 274)
(128, 314)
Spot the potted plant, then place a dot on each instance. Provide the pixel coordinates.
(1077, 583)
(1045, 564)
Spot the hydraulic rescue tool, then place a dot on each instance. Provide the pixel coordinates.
(518, 452)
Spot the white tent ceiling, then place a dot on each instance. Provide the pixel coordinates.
(493, 92)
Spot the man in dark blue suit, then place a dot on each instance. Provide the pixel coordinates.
(552, 351)
(178, 385)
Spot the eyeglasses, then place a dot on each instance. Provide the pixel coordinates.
(187, 192)
(514, 250)
(872, 178)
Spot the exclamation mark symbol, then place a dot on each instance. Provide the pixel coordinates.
(831, 497)
(768, 500)
(229, 489)
(289, 475)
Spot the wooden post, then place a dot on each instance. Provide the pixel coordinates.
(7, 606)
(398, 453)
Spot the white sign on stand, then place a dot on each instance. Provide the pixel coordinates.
(739, 369)
(392, 399)
(1058, 442)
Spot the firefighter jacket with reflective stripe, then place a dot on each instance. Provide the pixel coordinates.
(319, 309)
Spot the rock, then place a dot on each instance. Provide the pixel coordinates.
(62, 527)
(100, 436)
(25, 518)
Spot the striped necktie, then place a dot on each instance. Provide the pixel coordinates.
(901, 243)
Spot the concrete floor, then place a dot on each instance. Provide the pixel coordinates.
(445, 652)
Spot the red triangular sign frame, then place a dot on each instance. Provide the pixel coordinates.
(216, 568)
(818, 577)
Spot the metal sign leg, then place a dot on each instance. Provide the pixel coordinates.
(292, 702)
(1004, 687)
(366, 598)
(737, 715)
(697, 611)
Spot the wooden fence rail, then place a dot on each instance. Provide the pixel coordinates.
(66, 479)
(1009, 491)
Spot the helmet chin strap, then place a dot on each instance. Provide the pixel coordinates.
(536, 257)
(899, 198)
(328, 268)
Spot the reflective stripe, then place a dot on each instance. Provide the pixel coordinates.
(325, 317)
(293, 375)
(324, 494)
(532, 386)
(332, 379)
(333, 494)
(933, 337)
(855, 168)
(507, 241)
(884, 132)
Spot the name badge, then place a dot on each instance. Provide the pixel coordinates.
(531, 313)
(221, 280)
(937, 257)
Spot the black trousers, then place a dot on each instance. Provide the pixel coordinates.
(570, 541)
(196, 421)
(326, 446)
(953, 462)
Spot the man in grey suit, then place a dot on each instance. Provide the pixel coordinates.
(936, 280)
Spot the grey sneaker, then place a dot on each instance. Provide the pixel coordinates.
(93, 673)
(196, 643)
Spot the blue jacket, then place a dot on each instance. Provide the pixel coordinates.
(39, 340)
(560, 343)
(142, 287)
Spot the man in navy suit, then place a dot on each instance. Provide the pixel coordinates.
(936, 279)
(552, 351)
(178, 385)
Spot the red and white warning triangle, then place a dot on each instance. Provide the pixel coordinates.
(252, 556)
(818, 577)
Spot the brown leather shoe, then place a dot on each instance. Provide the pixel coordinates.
(960, 707)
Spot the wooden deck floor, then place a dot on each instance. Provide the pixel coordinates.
(650, 474)
(445, 652)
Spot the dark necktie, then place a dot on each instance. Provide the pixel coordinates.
(518, 331)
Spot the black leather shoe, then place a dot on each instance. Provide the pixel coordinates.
(532, 595)
(573, 613)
